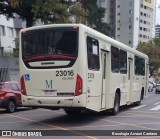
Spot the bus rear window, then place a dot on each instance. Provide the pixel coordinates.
(49, 42)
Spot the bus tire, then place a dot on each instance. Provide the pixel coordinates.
(115, 109)
(72, 111)
(139, 102)
(141, 98)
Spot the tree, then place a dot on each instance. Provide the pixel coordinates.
(51, 11)
(23, 8)
(57, 11)
(78, 11)
(153, 51)
(95, 16)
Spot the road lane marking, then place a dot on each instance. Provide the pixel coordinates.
(80, 127)
(13, 122)
(156, 117)
(156, 108)
(157, 103)
(58, 127)
(134, 125)
(148, 123)
(138, 107)
(155, 112)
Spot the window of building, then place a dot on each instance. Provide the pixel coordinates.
(141, 13)
(130, 19)
(140, 28)
(144, 29)
(10, 31)
(118, 28)
(130, 34)
(130, 11)
(2, 30)
(93, 53)
(130, 4)
(149, 1)
(17, 33)
(118, 14)
(118, 21)
(101, 1)
(130, 26)
(118, 36)
(130, 42)
(118, 6)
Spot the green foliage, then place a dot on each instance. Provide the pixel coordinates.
(151, 49)
(57, 11)
(16, 53)
(50, 11)
(95, 17)
(23, 8)
(77, 10)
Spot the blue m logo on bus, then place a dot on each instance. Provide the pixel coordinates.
(49, 84)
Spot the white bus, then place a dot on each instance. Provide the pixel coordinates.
(73, 67)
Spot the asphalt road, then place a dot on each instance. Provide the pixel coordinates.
(145, 117)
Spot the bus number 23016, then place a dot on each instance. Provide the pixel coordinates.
(65, 73)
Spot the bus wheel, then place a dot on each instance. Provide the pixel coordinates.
(139, 102)
(115, 109)
(72, 111)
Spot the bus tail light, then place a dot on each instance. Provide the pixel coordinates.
(23, 87)
(79, 86)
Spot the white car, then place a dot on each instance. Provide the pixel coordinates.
(151, 85)
(157, 88)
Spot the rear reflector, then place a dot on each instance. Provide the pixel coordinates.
(23, 88)
(79, 86)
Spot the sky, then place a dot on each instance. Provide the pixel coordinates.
(158, 13)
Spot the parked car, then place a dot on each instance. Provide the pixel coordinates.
(157, 90)
(151, 85)
(10, 95)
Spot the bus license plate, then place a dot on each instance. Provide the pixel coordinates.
(50, 93)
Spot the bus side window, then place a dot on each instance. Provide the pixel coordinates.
(93, 53)
(139, 66)
(115, 59)
(123, 61)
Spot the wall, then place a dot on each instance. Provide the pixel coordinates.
(9, 69)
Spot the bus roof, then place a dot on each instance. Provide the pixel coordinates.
(90, 30)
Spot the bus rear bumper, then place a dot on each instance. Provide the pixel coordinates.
(57, 102)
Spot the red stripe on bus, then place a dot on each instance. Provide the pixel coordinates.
(52, 57)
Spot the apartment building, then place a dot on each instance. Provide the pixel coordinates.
(157, 31)
(132, 21)
(9, 32)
